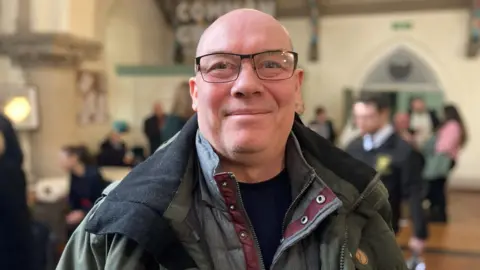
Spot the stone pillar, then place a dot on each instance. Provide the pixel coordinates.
(50, 62)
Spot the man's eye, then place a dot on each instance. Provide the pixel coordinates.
(271, 64)
(220, 66)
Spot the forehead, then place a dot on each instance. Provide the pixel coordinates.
(244, 38)
(364, 108)
(418, 101)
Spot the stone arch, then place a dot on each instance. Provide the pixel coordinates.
(405, 45)
(401, 69)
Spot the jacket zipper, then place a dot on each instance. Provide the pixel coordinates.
(294, 202)
(344, 249)
(250, 227)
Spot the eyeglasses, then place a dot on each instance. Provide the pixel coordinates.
(225, 67)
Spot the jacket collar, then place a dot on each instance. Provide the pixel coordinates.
(298, 168)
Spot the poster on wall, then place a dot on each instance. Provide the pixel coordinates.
(20, 104)
(92, 90)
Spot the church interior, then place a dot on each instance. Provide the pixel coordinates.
(83, 72)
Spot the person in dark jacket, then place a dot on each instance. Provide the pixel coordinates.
(382, 148)
(242, 185)
(322, 125)
(152, 127)
(86, 183)
(180, 113)
(113, 150)
(15, 222)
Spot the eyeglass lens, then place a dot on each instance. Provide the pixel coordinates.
(223, 67)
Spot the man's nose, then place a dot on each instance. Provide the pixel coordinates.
(247, 84)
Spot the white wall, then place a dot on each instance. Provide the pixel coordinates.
(135, 34)
(50, 15)
(351, 46)
(8, 16)
(82, 20)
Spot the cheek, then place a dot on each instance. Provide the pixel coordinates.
(210, 100)
(284, 95)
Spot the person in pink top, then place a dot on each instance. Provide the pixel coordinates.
(451, 137)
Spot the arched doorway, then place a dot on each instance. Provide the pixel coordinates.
(401, 74)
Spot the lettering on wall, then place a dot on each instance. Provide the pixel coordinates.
(192, 17)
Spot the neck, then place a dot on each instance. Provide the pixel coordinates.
(382, 126)
(78, 170)
(247, 171)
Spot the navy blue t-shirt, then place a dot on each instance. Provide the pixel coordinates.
(266, 204)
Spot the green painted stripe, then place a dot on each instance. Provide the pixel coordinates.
(137, 71)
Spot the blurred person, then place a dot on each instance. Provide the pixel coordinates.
(15, 223)
(113, 150)
(450, 138)
(402, 127)
(243, 185)
(152, 127)
(423, 122)
(349, 133)
(322, 125)
(382, 148)
(86, 183)
(401, 122)
(181, 112)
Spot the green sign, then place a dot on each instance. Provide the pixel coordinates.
(401, 25)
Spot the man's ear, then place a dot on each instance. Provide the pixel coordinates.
(298, 88)
(193, 92)
(299, 80)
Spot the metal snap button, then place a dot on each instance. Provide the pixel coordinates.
(232, 207)
(243, 235)
(320, 199)
(224, 184)
(304, 220)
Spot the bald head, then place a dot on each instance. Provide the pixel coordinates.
(239, 30)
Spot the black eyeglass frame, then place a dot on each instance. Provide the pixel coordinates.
(247, 56)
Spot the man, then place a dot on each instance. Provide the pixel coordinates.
(242, 186)
(152, 127)
(422, 121)
(401, 167)
(15, 233)
(401, 123)
(322, 125)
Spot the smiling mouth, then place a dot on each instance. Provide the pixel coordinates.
(247, 113)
